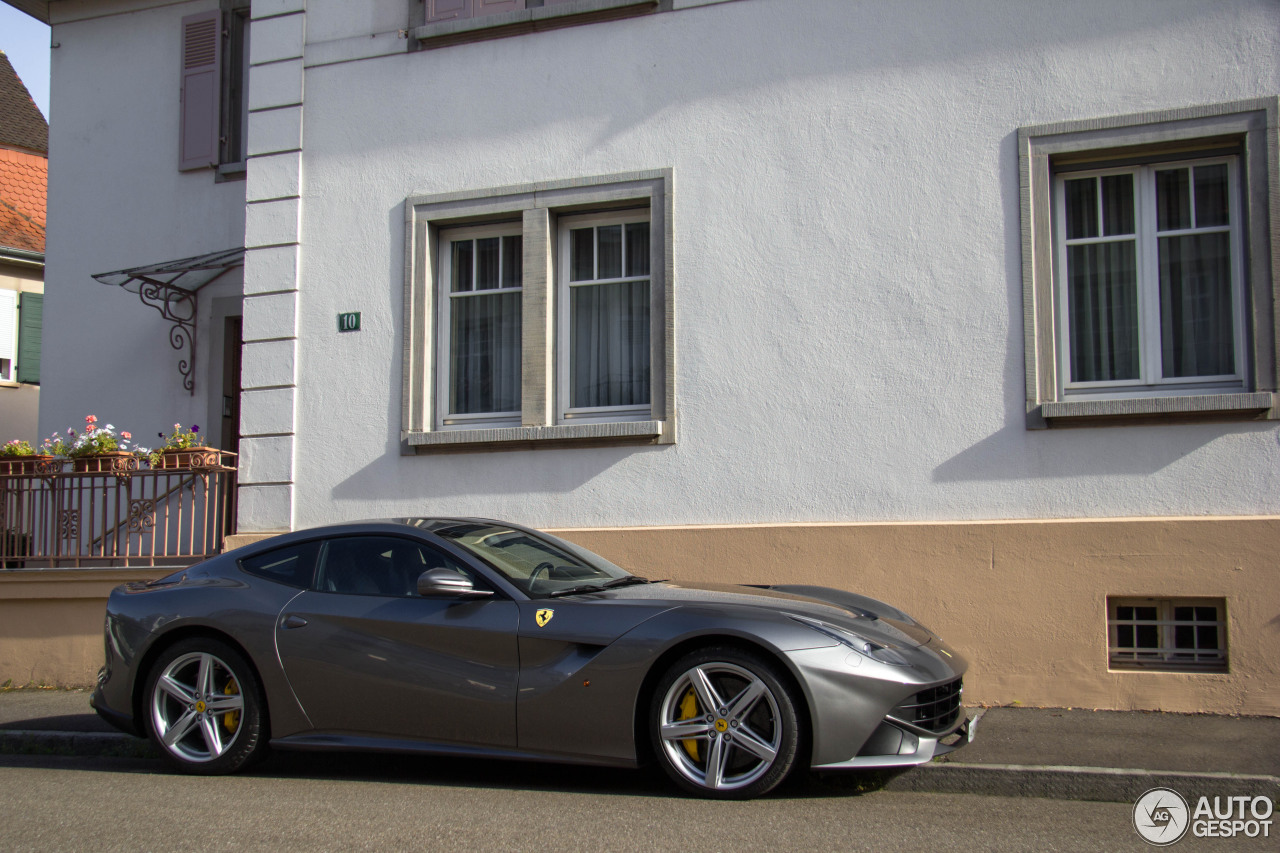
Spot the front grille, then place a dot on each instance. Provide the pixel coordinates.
(935, 709)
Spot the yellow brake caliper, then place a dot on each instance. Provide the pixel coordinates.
(231, 719)
(689, 710)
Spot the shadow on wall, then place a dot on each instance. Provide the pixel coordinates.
(1015, 453)
(472, 474)
(908, 36)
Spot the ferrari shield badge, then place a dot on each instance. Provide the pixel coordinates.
(542, 617)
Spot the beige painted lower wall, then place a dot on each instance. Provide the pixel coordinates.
(1024, 601)
(51, 623)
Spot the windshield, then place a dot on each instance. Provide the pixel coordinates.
(540, 565)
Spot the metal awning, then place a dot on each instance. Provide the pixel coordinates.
(172, 287)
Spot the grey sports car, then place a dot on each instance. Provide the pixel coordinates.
(474, 637)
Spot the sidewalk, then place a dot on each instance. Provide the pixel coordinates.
(1031, 752)
(1112, 756)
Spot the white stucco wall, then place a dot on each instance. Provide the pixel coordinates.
(847, 275)
(117, 200)
(847, 257)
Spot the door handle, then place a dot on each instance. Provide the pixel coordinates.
(293, 621)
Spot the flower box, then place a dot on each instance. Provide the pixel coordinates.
(28, 466)
(114, 462)
(190, 457)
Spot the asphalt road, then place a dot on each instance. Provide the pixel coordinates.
(322, 802)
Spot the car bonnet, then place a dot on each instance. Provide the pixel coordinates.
(864, 621)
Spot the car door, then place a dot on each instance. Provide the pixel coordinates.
(367, 656)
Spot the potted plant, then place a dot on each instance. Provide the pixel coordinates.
(19, 458)
(185, 449)
(100, 449)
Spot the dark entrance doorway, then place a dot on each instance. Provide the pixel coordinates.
(232, 346)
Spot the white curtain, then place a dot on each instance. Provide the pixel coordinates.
(610, 345)
(1195, 305)
(1103, 304)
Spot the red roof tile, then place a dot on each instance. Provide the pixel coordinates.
(24, 180)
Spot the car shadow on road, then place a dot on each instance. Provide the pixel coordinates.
(646, 781)
(493, 774)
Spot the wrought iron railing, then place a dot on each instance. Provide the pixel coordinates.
(116, 518)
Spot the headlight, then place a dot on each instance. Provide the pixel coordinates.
(883, 652)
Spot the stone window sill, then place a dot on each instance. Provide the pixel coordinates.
(445, 33)
(1244, 406)
(515, 438)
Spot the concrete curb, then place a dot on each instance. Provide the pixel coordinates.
(1103, 784)
(82, 744)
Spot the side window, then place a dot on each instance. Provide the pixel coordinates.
(604, 320)
(456, 10)
(215, 61)
(291, 566)
(378, 565)
(480, 315)
(1148, 247)
(553, 321)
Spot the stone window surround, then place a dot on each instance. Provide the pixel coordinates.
(537, 206)
(1253, 123)
(546, 16)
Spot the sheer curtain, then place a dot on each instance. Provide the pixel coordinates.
(484, 325)
(1102, 279)
(609, 321)
(485, 353)
(1103, 305)
(610, 345)
(1196, 326)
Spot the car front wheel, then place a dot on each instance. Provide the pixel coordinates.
(204, 708)
(724, 724)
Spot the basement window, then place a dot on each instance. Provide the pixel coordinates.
(1167, 634)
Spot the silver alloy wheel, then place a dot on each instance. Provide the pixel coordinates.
(731, 737)
(197, 707)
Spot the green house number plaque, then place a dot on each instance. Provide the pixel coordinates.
(349, 322)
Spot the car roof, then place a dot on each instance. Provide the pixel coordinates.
(425, 524)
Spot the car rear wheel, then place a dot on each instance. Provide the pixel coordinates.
(724, 724)
(204, 708)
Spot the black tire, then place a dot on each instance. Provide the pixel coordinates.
(204, 696)
(740, 750)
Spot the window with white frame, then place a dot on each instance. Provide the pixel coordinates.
(479, 325)
(1148, 266)
(1150, 295)
(1174, 634)
(603, 324)
(540, 313)
(8, 334)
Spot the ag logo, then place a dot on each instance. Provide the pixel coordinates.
(542, 617)
(1161, 816)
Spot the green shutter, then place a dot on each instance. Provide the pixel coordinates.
(30, 320)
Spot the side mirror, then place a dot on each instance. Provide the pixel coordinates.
(446, 583)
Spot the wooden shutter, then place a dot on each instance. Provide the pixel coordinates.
(201, 84)
(447, 10)
(8, 328)
(30, 321)
(493, 7)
